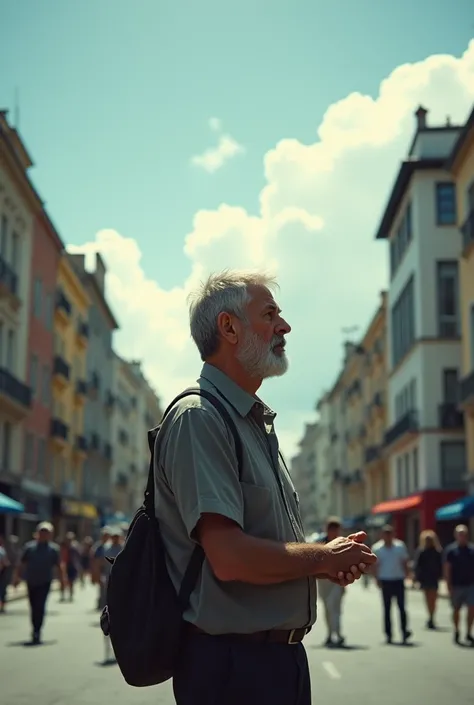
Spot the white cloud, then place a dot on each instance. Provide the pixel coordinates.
(318, 212)
(226, 148)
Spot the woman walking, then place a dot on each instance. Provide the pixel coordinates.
(428, 567)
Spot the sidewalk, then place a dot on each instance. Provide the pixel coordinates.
(20, 592)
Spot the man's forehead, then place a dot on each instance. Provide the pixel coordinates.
(261, 296)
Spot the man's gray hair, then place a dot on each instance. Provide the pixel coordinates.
(227, 292)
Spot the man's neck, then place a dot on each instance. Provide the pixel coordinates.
(234, 370)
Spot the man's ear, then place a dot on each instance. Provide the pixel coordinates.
(227, 328)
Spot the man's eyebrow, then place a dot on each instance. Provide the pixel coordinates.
(272, 307)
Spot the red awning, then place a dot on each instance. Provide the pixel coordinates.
(397, 505)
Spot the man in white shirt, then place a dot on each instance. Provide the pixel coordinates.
(391, 571)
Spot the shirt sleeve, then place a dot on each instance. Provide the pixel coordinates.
(25, 555)
(200, 466)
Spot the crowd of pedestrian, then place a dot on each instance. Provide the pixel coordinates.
(68, 561)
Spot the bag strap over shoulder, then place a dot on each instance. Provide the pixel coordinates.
(197, 557)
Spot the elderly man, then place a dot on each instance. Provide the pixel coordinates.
(256, 597)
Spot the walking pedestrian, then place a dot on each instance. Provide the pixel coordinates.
(70, 565)
(391, 572)
(39, 563)
(256, 596)
(459, 574)
(428, 569)
(331, 593)
(97, 565)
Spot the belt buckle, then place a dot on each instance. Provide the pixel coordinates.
(291, 635)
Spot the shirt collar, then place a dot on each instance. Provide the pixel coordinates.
(242, 401)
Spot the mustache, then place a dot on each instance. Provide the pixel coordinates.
(277, 341)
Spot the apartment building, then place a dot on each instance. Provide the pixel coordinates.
(304, 475)
(18, 204)
(325, 500)
(461, 165)
(100, 402)
(69, 447)
(424, 441)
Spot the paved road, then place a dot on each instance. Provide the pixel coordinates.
(68, 668)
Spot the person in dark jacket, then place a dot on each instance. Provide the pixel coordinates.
(428, 567)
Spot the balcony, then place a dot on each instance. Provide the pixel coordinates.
(94, 385)
(123, 437)
(466, 392)
(109, 401)
(108, 452)
(81, 446)
(15, 396)
(8, 280)
(82, 334)
(63, 308)
(467, 230)
(59, 433)
(449, 417)
(61, 372)
(94, 442)
(372, 453)
(81, 390)
(122, 480)
(406, 425)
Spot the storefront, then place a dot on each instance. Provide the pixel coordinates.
(415, 513)
(459, 512)
(73, 515)
(36, 500)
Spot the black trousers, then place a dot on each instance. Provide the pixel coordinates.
(37, 595)
(222, 671)
(394, 589)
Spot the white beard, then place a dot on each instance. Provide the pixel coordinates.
(259, 359)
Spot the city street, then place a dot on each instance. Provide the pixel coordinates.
(68, 667)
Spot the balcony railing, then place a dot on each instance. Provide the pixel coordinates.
(59, 429)
(407, 424)
(62, 302)
(60, 367)
(466, 389)
(372, 453)
(94, 442)
(467, 230)
(449, 416)
(8, 277)
(14, 389)
(83, 329)
(81, 387)
(81, 443)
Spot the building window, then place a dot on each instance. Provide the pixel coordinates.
(15, 261)
(48, 311)
(34, 374)
(445, 204)
(7, 445)
(403, 323)
(46, 386)
(406, 468)
(416, 471)
(41, 459)
(450, 386)
(37, 297)
(10, 361)
(400, 240)
(399, 477)
(448, 299)
(29, 459)
(453, 464)
(4, 237)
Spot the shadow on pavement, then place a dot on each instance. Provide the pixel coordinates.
(107, 662)
(405, 644)
(29, 644)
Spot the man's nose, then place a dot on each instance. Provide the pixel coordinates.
(283, 328)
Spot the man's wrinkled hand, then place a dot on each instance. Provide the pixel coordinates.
(348, 558)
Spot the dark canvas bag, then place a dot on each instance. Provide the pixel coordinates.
(144, 615)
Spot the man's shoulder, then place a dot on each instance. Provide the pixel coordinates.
(398, 543)
(198, 409)
(377, 546)
(29, 546)
(54, 547)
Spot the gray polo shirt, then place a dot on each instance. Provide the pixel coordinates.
(196, 473)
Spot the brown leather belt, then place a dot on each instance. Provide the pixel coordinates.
(273, 636)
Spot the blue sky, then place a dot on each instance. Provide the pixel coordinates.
(115, 102)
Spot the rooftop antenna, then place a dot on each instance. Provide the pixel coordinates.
(16, 114)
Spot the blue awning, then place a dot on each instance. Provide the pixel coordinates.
(10, 506)
(461, 509)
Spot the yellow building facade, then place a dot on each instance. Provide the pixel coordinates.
(462, 167)
(68, 444)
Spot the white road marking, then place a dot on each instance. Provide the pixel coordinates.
(331, 670)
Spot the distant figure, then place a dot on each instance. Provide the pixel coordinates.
(70, 564)
(39, 565)
(428, 568)
(391, 571)
(459, 574)
(330, 593)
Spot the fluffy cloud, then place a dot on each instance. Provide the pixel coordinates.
(226, 148)
(318, 212)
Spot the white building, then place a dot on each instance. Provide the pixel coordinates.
(425, 438)
(136, 410)
(328, 494)
(16, 228)
(304, 475)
